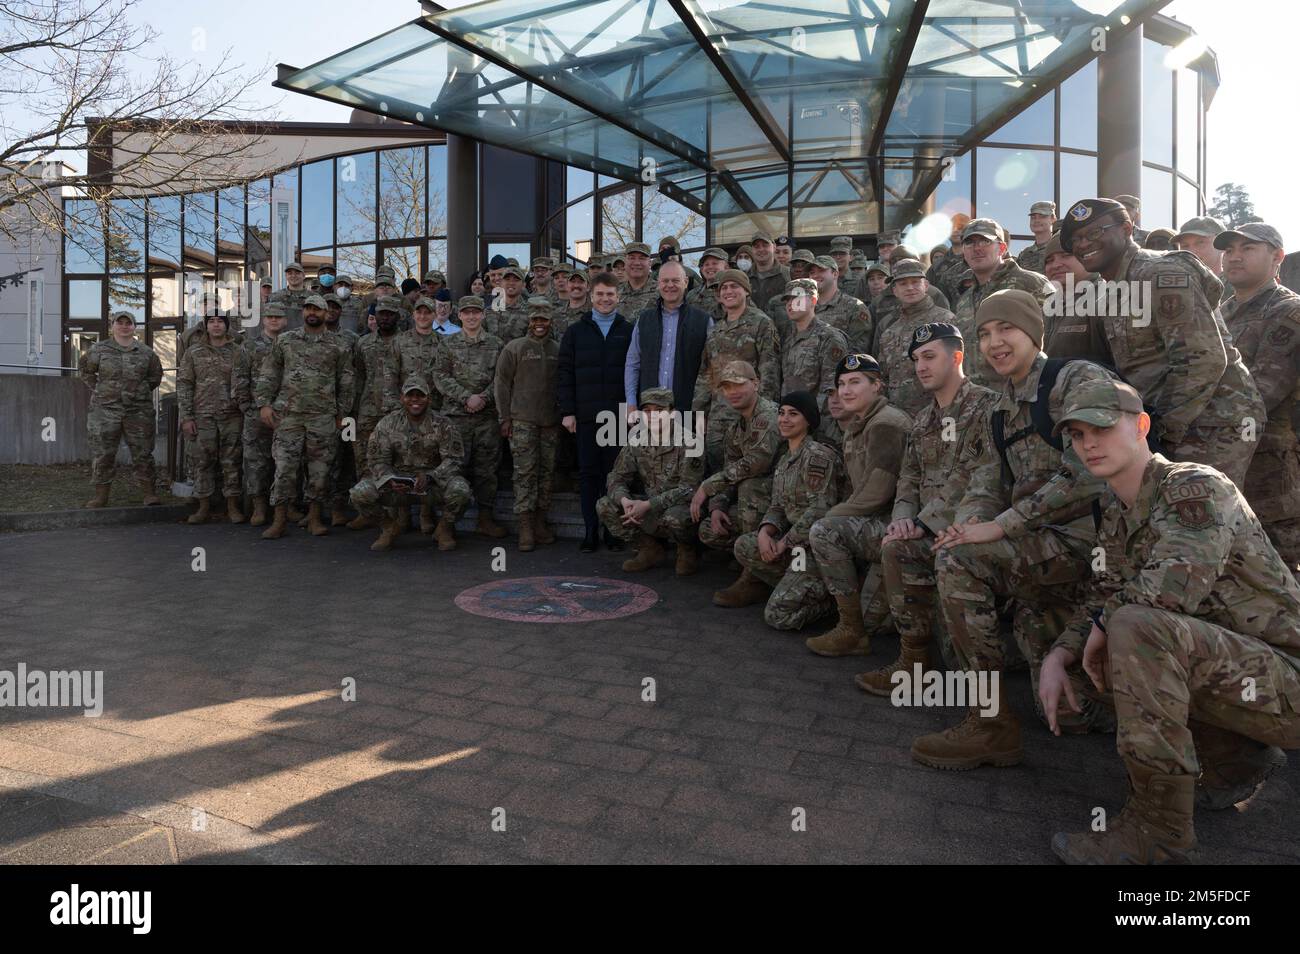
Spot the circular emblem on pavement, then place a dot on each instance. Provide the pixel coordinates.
(557, 599)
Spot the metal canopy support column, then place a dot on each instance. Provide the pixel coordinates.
(901, 60)
(1119, 122)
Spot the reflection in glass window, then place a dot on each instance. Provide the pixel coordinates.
(1157, 104)
(357, 261)
(1188, 108)
(953, 196)
(165, 290)
(259, 229)
(618, 221)
(661, 217)
(85, 300)
(1078, 180)
(125, 246)
(126, 293)
(200, 234)
(438, 255)
(1188, 204)
(1157, 199)
(405, 261)
(1009, 181)
(163, 341)
(437, 200)
(1034, 126)
(1079, 109)
(318, 204)
(834, 200)
(165, 233)
(355, 186)
(579, 230)
(401, 193)
(84, 250)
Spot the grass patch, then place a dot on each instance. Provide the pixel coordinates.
(37, 488)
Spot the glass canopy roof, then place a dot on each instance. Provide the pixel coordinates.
(746, 106)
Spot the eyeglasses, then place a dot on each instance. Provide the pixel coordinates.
(1095, 233)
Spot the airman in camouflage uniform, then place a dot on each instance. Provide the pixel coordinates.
(259, 466)
(211, 418)
(704, 296)
(808, 481)
(1192, 604)
(378, 366)
(419, 349)
(886, 308)
(304, 390)
(1034, 257)
(465, 379)
(810, 355)
(293, 295)
(573, 310)
(666, 476)
(801, 262)
(559, 291)
(904, 390)
(1265, 327)
(122, 375)
(527, 408)
(946, 275)
(353, 313)
(633, 300)
(841, 311)
(343, 471)
(413, 441)
(507, 318)
(745, 334)
(1179, 354)
(769, 277)
(841, 253)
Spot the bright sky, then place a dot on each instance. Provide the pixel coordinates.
(1253, 134)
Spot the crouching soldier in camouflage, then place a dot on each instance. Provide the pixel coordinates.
(413, 442)
(419, 349)
(530, 418)
(122, 374)
(259, 466)
(666, 475)
(1193, 624)
(849, 536)
(210, 417)
(376, 365)
(738, 495)
(808, 481)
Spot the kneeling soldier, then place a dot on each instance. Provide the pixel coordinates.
(809, 480)
(667, 475)
(413, 442)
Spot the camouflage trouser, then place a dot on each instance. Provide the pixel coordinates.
(1171, 672)
(259, 466)
(532, 448)
(452, 496)
(752, 499)
(673, 524)
(798, 597)
(1285, 535)
(219, 442)
(912, 588)
(106, 429)
(1273, 491)
(481, 435)
(1223, 448)
(342, 472)
(1044, 571)
(303, 438)
(720, 416)
(845, 545)
(365, 427)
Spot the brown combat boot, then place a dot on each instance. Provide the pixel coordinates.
(488, 526)
(746, 591)
(649, 553)
(1233, 767)
(314, 523)
(445, 533)
(362, 522)
(339, 513)
(151, 499)
(849, 637)
(295, 514)
(688, 560)
(203, 513)
(527, 542)
(259, 511)
(233, 513)
(976, 740)
(427, 520)
(1154, 828)
(392, 528)
(101, 497)
(276, 530)
(543, 532)
(913, 648)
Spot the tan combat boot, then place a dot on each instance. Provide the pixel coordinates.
(849, 637)
(543, 532)
(392, 528)
(527, 542)
(1154, 828)
(259, 511)
(445, 533)
(276, 530)
(233, 513)
(339, 513)
(688, 560)
(101, 497)
(746, 591)
(913, 648)
(649, 553)
(362, 522)
(295, 514)
(314, 523)
(203, 513)
(427, 520)
(488, 526)
(976, 740)
(151, 499)
(1233, 767)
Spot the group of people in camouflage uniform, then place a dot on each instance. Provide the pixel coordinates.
(985, 456)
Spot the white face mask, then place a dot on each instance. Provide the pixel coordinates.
(744, 264)
(342, 292)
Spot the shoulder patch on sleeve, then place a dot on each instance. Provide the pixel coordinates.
(1281, 335)
(1173, 280)
(1194, 514)
(1187, 490)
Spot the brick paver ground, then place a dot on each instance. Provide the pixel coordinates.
(223, 698)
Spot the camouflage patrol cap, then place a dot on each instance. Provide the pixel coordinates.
(933, 331)
(512, 261)
(537, 305)
(859, 361)
(713, 253)
(987, 228)
(659, 397)
(578, 273)
(799, 286)
(738, 372)
(433, 275)
(562, 268)
(294, 267)
(882, 267)
(267, 283)
(123, 314)
(316, 300)
(543, 262)
(612, 260)
(1131, 201)
(416, 382)
(385, 270)
(887, 238)
(332, 300)
(804, 255)
(859, 259)
(1101, 403)
(273, 309)
(344, 279)
(1202, 225)
(1251, 232)
(512, 270)
(424, 301)
(389, 303)
(761, 236)
(1053, 247)
(640, 247)
(825, 261)
(841, 243)
(1043, 208)
(907, 268)
(469, 302)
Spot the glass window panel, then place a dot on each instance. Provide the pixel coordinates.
(165, 233)
(1009, 181)
(1157, 105)
(618, 222)
(85, 300)
(662, 217)
(1079, 109)
(125, 247)
(834, 200)
(163, 341)
(259, 229)
(1188, 204)
(1188, 109)
(165, 291)
(437, 199)
(230, 216)
(355, 184)
(200, 231)
(1034, 126)
(359, 262)
(578, 223)
(519, 251)
(127, 293)
(318, 204)
(84, 249)
(405, 261)
(438, 255)
(1078, 180)
(953, 194)
(1157, 199)
(402, 193)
